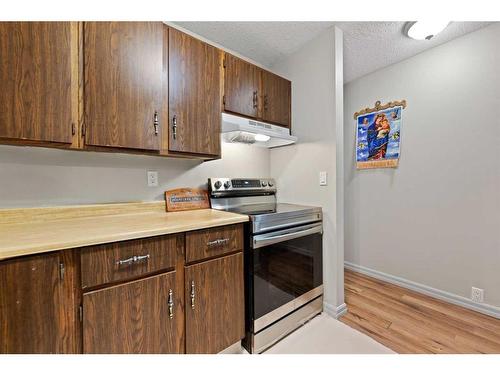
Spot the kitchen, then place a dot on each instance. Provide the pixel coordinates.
(150, 88)
(103, 122)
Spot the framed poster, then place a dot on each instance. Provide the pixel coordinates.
(378, 135)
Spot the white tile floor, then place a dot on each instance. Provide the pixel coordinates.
(326, 335)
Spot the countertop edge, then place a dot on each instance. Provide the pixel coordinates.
(124, 236)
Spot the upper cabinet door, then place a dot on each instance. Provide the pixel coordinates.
(276, 96)
(123, 64)
(241, 87)
(194, 72)
(37, 85)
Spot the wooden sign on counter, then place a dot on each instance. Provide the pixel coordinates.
(186, 199)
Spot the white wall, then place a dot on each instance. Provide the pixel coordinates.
(31, 177)
(296, 168)
(434, 220)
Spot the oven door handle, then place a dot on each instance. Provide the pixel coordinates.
(285, 235)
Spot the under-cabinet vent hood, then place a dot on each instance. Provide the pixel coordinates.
(243, 130)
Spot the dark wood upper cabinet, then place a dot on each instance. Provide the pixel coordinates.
(214, 304)
(143, 316)
(254, 92)
(123, 63)
(194, 72)
(276, 99)
(39, 81)
(37, 306)
(241, 86)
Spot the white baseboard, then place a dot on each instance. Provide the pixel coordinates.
(335, 311)
(427, 290)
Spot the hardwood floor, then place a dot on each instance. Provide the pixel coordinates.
(410, 322)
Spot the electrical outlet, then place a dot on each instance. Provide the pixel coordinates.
(477, 295)
(323, 178)
(152, 178)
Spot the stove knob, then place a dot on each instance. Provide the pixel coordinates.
(227, 184)
(217, 184)
(264, 183)
(271, 184)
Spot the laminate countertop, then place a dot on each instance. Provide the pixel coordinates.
(38, 230)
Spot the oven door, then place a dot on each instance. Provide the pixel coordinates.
(286, 272)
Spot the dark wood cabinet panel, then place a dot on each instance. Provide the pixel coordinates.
(212, 242)
(134, 317)
(214, 304)
(241, 86)
(39, 84)
(37, 305)
(113, 262)
(194, 71)
(276, 96)
(123, 63)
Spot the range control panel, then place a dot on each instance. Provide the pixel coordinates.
(218, 184)
(245, 183)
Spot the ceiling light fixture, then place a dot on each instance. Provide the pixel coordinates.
(424, 30)
(262, 137)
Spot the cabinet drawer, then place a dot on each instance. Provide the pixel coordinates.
(118, 261)
(212, 242)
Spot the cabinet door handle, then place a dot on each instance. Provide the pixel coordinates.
(265, 102)
(156, 122)
(62, 270)
(218, 242)
(170, 304)
(255, 99)
(174, 127)
(192, 295)
(132, 260)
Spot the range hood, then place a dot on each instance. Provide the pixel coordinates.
(243, 130)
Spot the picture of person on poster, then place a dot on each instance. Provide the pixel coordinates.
(378, 137)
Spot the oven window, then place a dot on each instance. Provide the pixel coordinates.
(284, 271)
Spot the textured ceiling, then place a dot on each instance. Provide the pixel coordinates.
(263, 42)
(368, 46)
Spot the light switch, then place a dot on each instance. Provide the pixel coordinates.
(323, 178)
(152, 178)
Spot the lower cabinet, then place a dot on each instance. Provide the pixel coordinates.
(38, 313)
(214, 298)
(143, 316)
(136, 296)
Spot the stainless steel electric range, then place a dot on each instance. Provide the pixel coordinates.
(283, 258)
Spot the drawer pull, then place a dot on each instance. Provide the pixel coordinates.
(221, 241)
(170, 304)
(174, 127)
(132, 260)
(192, 295)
